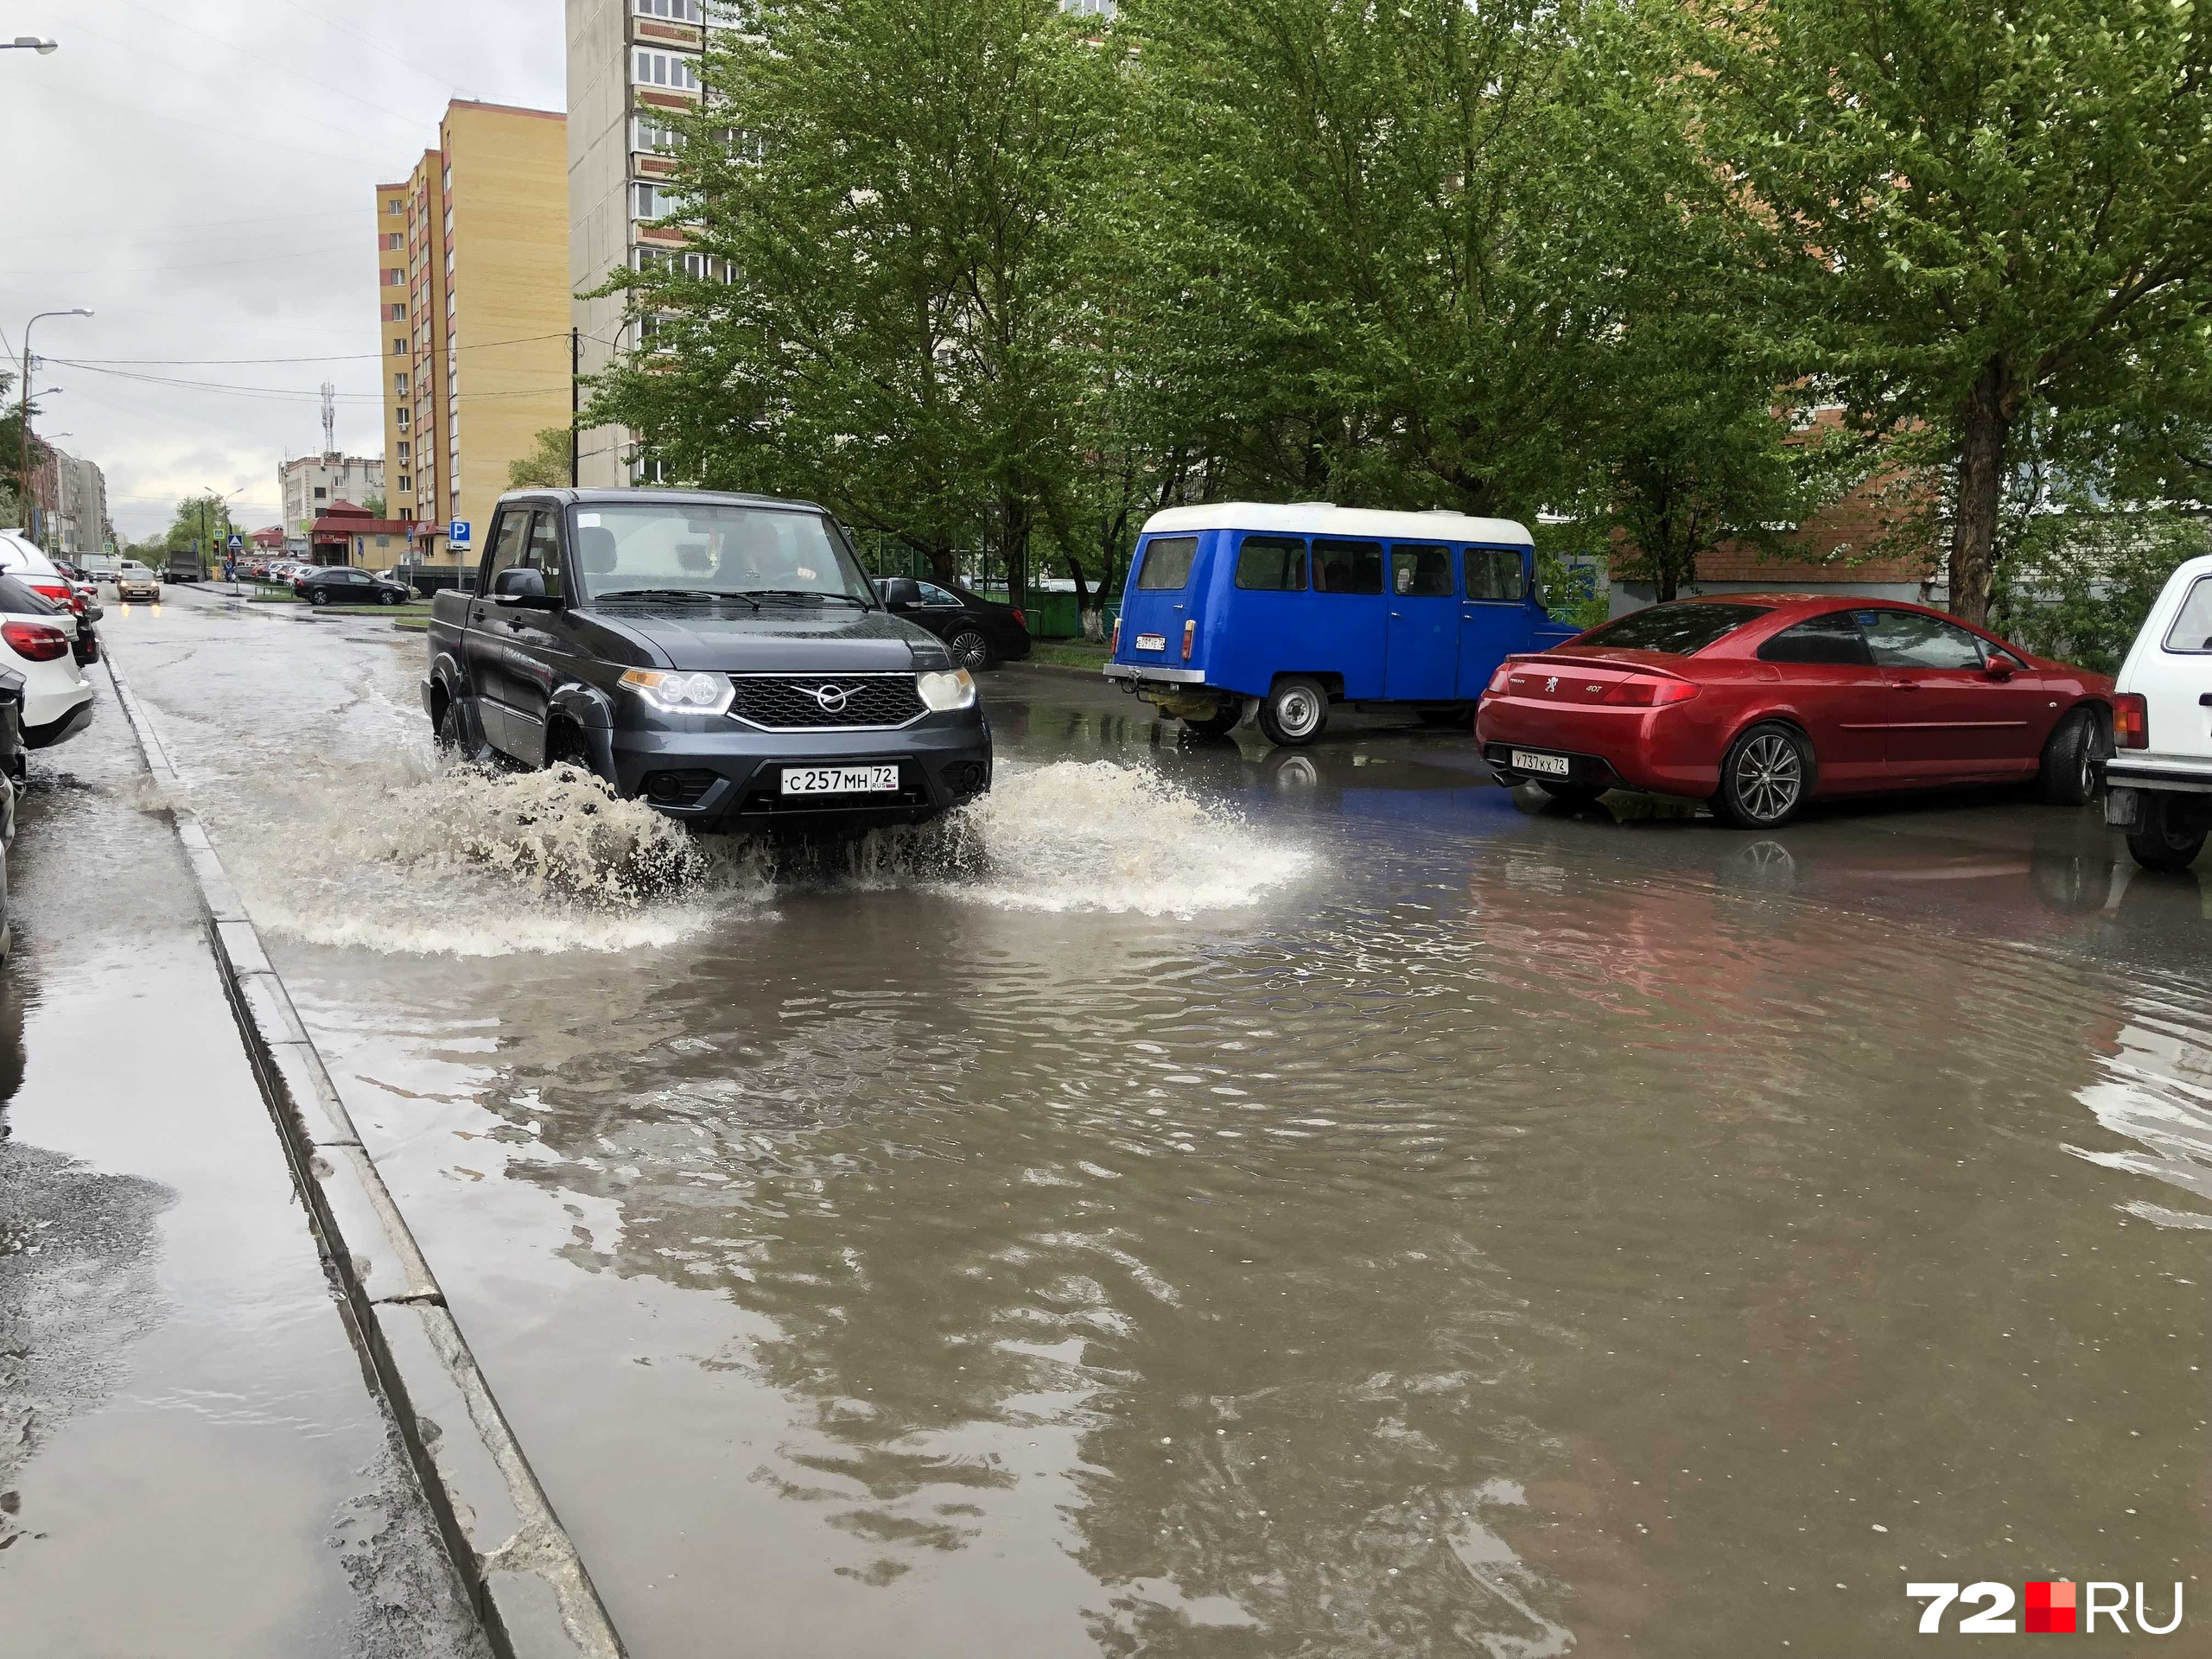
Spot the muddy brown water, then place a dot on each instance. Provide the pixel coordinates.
(1232, 1203)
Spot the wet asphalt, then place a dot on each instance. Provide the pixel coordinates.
(191, 1462)
(1220, 1200)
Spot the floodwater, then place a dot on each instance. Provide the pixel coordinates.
(1219, 1201)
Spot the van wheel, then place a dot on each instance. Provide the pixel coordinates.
(969, 650)
(2158, 840)
(2070, 759)
(1294, 711)
(1765, 778)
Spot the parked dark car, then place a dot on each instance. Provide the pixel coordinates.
(341, 584)
(979, 633)
(722, 657)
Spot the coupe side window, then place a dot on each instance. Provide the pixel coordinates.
(2192, 629)
(1167, 562)
(1908, 640)
(933, 595)
(1271, 564)
(1347, 567)
(1833, 639)
(1493, 573)
(1420, 572)
(507, 542)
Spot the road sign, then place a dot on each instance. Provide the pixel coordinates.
(237, 544)
(457, 532)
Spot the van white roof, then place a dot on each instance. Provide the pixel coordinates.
(1320, 519)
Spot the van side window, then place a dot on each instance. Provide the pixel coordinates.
(1420, 572)
(1167, 563)
(1347, 567)
(2192, 628)
(1271, 564)
(1493, 573)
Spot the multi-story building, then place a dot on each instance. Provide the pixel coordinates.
(474, 312)
(74, 491)
(630, 62)
(308, 486)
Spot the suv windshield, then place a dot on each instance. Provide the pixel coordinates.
(701, 549)
(1681, 627)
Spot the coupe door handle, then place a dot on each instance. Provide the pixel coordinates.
(1908, 685)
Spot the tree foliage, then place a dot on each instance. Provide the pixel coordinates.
(981, 276)
(1991, 216)
(547, 467)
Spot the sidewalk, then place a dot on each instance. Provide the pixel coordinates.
(191, 1459)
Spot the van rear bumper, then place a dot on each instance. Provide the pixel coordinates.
(1135, 674)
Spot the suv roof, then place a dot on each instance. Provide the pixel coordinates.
(616, 497)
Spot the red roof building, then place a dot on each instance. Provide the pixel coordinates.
(347, 534)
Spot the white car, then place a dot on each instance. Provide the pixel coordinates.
(134, 580)
(2158, 782)
(20, 558)
(38, 640)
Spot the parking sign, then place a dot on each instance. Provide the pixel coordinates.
(457, 532)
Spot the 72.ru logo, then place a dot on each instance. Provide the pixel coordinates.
(2054, 1607)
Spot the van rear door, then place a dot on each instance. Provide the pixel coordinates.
(1158, 602)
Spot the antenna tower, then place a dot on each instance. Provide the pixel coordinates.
(329, 418)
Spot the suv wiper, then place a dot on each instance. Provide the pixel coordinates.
(676, 592)
(802, 592)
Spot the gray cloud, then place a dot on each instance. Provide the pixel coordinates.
(202, 175)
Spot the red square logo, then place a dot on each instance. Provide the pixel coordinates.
(2050, 1607)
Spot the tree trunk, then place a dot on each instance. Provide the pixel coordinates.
(944, 570)
(1985, 425)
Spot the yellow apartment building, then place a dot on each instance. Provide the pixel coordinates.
(474, 324)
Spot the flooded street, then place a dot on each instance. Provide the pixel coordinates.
(1221, 1200)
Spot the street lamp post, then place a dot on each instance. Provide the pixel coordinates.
(23, 417)
(31, 43)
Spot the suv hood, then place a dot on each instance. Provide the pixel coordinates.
(732, 639)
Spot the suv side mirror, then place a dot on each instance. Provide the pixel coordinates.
(521, 586)
(900, 593)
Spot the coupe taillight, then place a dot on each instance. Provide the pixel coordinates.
(1190, 637)
(2131, 722)
(1501, 681)
(36, 642)
(1649, 692)
(1020, 617)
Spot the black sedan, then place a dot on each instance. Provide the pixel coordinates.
(980, 632)
(340, 584)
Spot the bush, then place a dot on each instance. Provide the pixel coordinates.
(2077, 589)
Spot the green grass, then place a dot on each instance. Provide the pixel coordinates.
(422, 609)
(1068, 653)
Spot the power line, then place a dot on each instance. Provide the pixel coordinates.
(235, 362)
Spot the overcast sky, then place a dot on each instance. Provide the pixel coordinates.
(201, 174)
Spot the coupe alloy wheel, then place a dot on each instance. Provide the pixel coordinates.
(1770, 777)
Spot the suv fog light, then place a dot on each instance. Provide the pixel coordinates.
(682, 694)
(947, 691)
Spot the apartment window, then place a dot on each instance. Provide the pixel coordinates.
(393, 277)
(394, 240)
(406, 485)
(679, 11)
(448, 179)
(322, 494)
(400, 346)
(399, 384)
(401, 422)
(448, 261)
(403, 449)
(671, 69)
(396, 312)
(648, 132)
(654, 200)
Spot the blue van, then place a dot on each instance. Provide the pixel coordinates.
(1280, 612)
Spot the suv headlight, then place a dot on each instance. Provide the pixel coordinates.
(682, 694)
(948, 690)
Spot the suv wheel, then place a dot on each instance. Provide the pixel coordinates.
(2159, 840)
(1294, 711)
(1765, 778)
(2070, 759)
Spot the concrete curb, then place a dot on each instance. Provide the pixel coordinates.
(521, 1569)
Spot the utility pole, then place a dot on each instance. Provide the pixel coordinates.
(575, 393)
(23, 416)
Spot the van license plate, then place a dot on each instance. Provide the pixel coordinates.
(1151, 642)
(1552, 766)
(840, 780)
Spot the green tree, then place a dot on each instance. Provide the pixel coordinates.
(12, 504)
(547, 465)
(874, 306)
(1991, 218)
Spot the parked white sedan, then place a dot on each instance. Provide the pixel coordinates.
(2158, 782)
(37, 641)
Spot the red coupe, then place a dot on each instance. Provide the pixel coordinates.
(1758, 702)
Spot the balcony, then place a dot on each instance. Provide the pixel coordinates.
(654, 31)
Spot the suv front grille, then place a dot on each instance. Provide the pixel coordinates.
(790, 702)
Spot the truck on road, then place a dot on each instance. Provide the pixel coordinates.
(185, 567)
